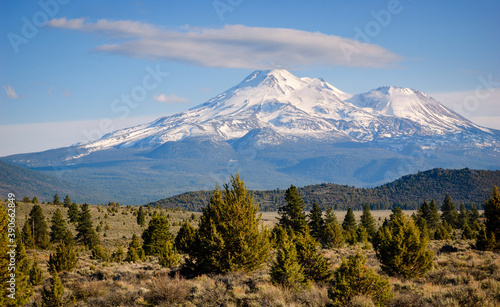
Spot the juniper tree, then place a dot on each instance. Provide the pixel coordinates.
(73, 213)
(354, 278)
(292, 214)
(156, 234)
(491, 232)
(286, 270)
(59, 232)
(316, 222)
(168, 256)
(27, 234)
(135, 251)
(473, 214)
(34, 200)
(141, 217)
(37, 221)
(433, 218)
(24, 290)
(463, 217)
(36, 273)
(368, 223)
(229, 236)
(185, 238)
(52, 296)
(333, 236)
(64, 259)
(85, 230)
(449, 212)
(316, 267)
(401, 249)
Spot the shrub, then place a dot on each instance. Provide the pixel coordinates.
(353, 278)
(168, 255)
(64, 259)
(286, 270)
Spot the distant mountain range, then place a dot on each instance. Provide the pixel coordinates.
(276, 129)
(464, 186)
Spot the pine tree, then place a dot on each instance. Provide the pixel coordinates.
(185, 238)
(354, 278)
(368, 222)
(52, 296)
(56, 200)
(141, 217)
(316, 267)
(401, 249)
(449, 212)
(67, 201)
(463, 217)
(292, 214)
(85, 229)
(37, 221)
(155, 236)
(229, 236)
(64, 259)
(168, 256)
(433, 219)
(473, 215)
(492, 223)
(349, 226)
(59, 232)
(26, 234)
(333, 236)
(135, 251)
(36, 273)
(316, 223)
(286, 270)
(73, 213)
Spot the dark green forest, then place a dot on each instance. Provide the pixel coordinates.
(471, 187)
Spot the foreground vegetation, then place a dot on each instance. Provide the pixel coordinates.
(109, 255)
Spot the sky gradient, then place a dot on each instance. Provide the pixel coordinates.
(71, 71)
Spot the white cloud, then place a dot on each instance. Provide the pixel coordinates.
(234, 46)
(170, 98)
(11, 92)
(479, 107)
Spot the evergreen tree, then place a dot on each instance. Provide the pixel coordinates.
(73, 213)
(155, 236)
(27, 234)
(333, 236)
(433, 219)
(316, 223)
(67, 201)
(185, 238)
(463, 217)
(401, 249)
(37, 221)
(98, 253)
(485, 241)
(24, 290)
(449, 212)
(354, 278)
(316, 267)
(292, 214)
(492, 223)
(229, 237)
(36, 273)
(168, 255)
(56, 200)
(441, 233)
(362, 235)
(473, 215)
(468, 233)
(59, 232)
(64, 259)
(141, 217)
(52, 296)
(368, 222)
(286, 270)
(35, 200)
(85, 229)
(349, 226)
(135, 251)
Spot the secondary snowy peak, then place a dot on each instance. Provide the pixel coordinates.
(413, 105)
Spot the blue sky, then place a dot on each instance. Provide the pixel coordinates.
(67, 67)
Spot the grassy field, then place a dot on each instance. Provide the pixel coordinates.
(461, 276)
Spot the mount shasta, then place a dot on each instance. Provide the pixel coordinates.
(275, 129)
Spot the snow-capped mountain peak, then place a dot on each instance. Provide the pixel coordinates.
(291, 108)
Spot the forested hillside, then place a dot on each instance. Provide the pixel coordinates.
(464, 186)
